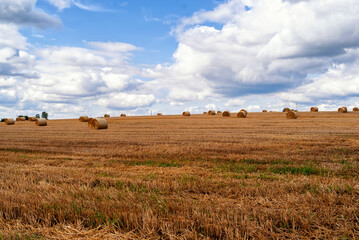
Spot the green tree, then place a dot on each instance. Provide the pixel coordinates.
(44, 115)
(37, 116)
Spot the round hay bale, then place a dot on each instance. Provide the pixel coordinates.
(295, 111)
(355, 109)
(287, 110)
(342, 110)
(314, 109)
(106, 115)
(123, 115)
(205, 113)
(84, 119)
(243, 110)
(89, 123)
(242, 114)
(226, 114)
(219, 112)
(99, 123)
(186, 114)
(32, 119)
(264, 110)
(9, 121)
(41, 122)
(20, 119)
(159, 114)
(291, 115)
(211, 112)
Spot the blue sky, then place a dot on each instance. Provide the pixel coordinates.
(143, 23)
(76, 57)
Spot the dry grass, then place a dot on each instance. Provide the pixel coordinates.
(200, 177)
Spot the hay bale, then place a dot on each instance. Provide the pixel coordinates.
(243, 110)
(41, 122)
(32, 119)
(264, 110)
(287, 110)
(343, 110)
(9, 121)
(89, 123)
(219, 112)
(211, 112)
(186, 114)
(291, 115)
(106, 115)
(159, 114)
(20, 119)
(314, 109)
(205, 113)
(295, 111)
(99, 123)
(355, 109)
(226, 114)
(123, 115)
(84, 119)
(242, 114)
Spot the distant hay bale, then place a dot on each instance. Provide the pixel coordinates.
(219, 112)
(41, 122)
(32, 119)
(264, 110)
(291, 115)
(205, 113)
(295, 111)
(226, 114)
(99, 123)
(89, 123)
(211, 112)
(106, 115)
(186, 114)
(314, 109)
(159, 114)
(84, 119)
(123, 115)
(287, 110)
(342, 110)
(243, 110)
(242, 114)
(9, 121)
(19, 119)
(355, 109)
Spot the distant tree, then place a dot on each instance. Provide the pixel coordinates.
(2, 120)
(44, 115)
(37, 115)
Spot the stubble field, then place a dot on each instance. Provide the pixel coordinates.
(174, 177)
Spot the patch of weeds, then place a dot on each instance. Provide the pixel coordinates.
(313, 188)
(186, 178)
(304, 170)
(265, 176)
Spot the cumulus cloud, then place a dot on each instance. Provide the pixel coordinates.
(262, 47)
(23, 12)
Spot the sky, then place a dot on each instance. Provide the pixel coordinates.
(85, 57)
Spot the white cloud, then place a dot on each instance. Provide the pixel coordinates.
(23, 12)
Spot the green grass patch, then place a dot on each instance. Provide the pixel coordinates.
(303, 170)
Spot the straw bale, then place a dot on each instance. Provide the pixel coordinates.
(314, 109)
(186, 114)
(99, 123)
(41, 122)
(84, 119)
(226, 114)
(242, 114)
(9, 121)
(291, 115)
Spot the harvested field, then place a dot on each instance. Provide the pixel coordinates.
(199, 177)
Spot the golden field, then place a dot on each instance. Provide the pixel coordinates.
(174, 177)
